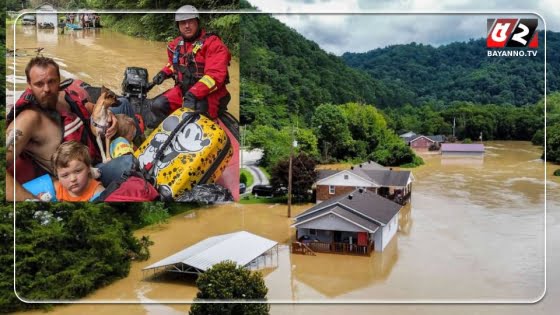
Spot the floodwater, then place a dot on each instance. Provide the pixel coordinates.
(473, 233)
(96, 56)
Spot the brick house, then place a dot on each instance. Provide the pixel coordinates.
(423, 143)
(394, 185)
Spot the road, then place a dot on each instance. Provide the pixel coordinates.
(250, 159)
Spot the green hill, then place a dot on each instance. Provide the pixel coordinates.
(462, 71)
(281, 68)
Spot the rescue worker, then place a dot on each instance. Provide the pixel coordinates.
(198, 61)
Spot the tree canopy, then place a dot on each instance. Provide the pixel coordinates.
(227, 281)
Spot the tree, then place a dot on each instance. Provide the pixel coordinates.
(227, 281)
(332, 129)
(303, 174)
(553, 143)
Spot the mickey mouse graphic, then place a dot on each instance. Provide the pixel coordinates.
(187, 140)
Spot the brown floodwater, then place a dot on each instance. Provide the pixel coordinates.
(474, 232)
(96, 56)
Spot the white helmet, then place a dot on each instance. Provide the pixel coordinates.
(186, 12)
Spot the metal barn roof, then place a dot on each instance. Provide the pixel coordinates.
(240, 247)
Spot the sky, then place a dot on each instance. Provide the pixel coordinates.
(338, 33)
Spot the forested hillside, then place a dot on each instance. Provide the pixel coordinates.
(281, 68)
(461, 71)
(289, 80)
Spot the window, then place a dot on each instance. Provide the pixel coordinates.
(312, 232)
(346, 176)
(331, 190)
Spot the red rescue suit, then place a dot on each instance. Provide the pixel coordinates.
(201, 68)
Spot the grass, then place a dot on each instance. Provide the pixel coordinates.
(250, 199)
(248, 176)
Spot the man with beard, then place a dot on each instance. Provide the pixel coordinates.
(198, 61)
(45, 116)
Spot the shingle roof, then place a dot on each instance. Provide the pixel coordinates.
(436, 138)
(366, 204)
(462, 147)
(325, 173)
(383, 177)
(388, 177)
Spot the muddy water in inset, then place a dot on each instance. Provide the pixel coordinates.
(474, 232)
(96, 56)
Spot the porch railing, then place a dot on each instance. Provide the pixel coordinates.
(337, 248)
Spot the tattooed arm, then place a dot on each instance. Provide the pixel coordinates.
(26, 124)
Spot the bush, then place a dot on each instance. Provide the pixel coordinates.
(227, 281)
(153, 213)
(557, 172)
(66, 250)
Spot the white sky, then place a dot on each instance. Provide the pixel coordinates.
(338, 33)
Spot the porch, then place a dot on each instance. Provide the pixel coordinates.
(396, 195)
(335, 248)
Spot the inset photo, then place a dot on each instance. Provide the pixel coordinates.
(123, 107)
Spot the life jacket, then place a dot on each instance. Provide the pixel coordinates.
(187, 70)
(75, 122)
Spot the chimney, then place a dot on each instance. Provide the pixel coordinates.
(350, 196)
(360, 165)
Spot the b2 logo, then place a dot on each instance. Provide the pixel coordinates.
(512, 33)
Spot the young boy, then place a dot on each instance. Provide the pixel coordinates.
(72, 165)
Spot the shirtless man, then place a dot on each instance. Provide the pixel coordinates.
(38, 130)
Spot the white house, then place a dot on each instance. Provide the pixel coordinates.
(355, 223)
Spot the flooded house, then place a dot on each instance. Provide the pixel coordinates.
(46, 16)
(424, 143)
(386, 182)
(357, 222)
(462, 149)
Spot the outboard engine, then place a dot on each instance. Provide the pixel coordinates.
(135, 82)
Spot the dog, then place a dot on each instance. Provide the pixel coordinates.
(101, 120)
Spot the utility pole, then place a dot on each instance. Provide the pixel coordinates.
(453, 127)
(241, 148)
(290, 175)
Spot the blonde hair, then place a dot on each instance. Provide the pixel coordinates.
(70, 151)
(125, 125)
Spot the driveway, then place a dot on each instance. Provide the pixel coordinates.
(250, 159)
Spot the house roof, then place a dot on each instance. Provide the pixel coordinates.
(383, 177)
(365, 204)
(240, 247)
(462, 147)
(436, 138)
(420, 137)
(389, 177)
(321, 174)
(355, 219)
